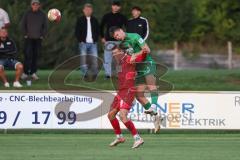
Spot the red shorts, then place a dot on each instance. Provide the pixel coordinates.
(124, 99)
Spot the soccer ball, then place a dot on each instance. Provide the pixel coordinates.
(54, 15)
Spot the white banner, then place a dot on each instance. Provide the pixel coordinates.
(50, 110)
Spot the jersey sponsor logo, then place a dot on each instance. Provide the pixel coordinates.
(141, 40)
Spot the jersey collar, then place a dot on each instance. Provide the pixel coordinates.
(127, 36)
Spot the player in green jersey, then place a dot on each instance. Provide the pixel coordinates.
(146, 70)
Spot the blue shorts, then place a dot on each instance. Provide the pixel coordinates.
(9, 63)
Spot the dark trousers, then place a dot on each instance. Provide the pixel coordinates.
(31, 52)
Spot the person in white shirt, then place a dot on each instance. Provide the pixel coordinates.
(4, 19)
(87, 34)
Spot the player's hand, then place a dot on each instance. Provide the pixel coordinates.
(146, 49)
(133, 58)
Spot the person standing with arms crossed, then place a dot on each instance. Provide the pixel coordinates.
(114, 18)
(138, 24)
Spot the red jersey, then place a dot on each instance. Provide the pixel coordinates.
(126, 73)
(126, 82)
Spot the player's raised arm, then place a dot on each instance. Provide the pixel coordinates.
(141, 43)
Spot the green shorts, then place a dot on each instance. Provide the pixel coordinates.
(144, 69)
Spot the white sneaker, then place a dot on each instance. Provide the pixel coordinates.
(24, 76)
(152, 110)
(138, 142)
(7, 85)
(17, 84)
(35, 77)
(157, 123)
(117, 141)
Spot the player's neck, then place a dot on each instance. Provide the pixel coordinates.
(135, 17)
(3, 38)
(115, 12)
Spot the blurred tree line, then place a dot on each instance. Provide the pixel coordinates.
(202, 21)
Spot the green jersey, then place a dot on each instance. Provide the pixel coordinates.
(133, 44)
(134, 41)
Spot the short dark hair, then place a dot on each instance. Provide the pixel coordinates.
(137, 8)
(117, 3)
(113, 29)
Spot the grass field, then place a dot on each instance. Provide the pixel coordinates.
(184, 80)
(95, 147)
(194, 146)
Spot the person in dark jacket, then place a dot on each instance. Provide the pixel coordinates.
(138, 24)
(34, 28)
(8, 53)
(87, 33)
(114, 18)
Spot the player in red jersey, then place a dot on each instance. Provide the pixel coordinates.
(122, 102)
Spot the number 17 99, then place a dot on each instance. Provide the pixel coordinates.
(70, 117)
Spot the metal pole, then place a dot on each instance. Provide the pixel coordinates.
(176, 51)
(230, 52)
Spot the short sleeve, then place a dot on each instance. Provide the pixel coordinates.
(140, 41)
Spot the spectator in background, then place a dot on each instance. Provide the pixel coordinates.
(138, 24)
(4, 19)
(8, 52)
(114, 18)
(87, 33)
(34, 28)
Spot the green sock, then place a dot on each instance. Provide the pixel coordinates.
(154, 97)
(147, 106)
